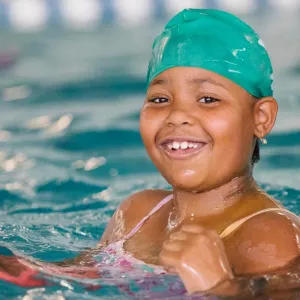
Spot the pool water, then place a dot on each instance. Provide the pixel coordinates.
(70, 149)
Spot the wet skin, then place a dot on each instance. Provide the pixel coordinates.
(212, 182)
(212, 185)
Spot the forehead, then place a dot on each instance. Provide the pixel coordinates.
(190, 80)
(192, 76)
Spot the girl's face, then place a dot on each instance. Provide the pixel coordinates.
(198, 128)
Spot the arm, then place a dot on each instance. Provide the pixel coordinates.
(125, 218)
(279, 284)
(21, 270)
(264, 254)
(266, 244)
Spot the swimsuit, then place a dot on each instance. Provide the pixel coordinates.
(124, 258)
(117, 267)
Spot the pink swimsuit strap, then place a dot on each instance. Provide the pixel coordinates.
(153, 211)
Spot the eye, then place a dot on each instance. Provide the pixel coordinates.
(208, 100)
(158, 100)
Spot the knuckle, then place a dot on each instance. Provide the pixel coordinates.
(203, 238)
(165, 246)
(192, 228)
(174, 235)
(213, 233)
(179, 235)
(172, 246)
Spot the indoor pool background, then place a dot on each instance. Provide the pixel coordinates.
(70, 149)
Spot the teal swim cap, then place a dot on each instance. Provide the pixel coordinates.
(216, 41)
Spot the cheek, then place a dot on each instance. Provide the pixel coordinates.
(230, 125)
(232, 133)
(149, 126)
(221, 126)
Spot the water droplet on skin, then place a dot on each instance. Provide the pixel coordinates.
(189, 172)
(192, 217)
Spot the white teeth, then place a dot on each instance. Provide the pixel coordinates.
(176, 145)
(181, 145)
(184, 145)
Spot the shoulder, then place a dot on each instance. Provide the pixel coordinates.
(144, 200)
(265, 242)
(130, 212)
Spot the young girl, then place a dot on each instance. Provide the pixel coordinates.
(209, 101)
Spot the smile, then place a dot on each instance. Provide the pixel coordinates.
(181, 147)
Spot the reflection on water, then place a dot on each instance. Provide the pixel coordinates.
(90, 164)
(16, 93)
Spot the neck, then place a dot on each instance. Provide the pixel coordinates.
(213, 202)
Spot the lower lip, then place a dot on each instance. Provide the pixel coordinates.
(183, 154)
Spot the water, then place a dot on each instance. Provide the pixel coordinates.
(71, 150)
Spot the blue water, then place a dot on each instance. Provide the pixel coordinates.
(70, 149)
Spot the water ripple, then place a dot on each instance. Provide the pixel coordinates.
(113, 139)
(69, 189)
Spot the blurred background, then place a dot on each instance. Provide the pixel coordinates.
(72, 81)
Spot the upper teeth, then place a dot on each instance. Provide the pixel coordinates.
(181, 145)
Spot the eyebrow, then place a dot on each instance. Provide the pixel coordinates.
(200, 81)
(190, 81)
(159, 82)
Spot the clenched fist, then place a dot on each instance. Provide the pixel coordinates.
(198, 256)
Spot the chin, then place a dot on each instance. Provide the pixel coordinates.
(187, 180)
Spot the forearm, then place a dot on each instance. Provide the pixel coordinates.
(240, 288)
(285, 280)
(83, 259)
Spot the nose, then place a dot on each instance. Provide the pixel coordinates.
(179, 116)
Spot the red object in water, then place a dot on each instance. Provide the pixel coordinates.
(26, 276)
(17, 271)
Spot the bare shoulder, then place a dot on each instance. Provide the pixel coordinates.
(264, 243)
(130, 212)
(144, 201)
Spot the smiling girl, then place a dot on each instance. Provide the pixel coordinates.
(209, 101)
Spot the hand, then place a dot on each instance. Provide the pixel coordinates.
(198, 256)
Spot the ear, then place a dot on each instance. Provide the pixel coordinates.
(265, 112)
